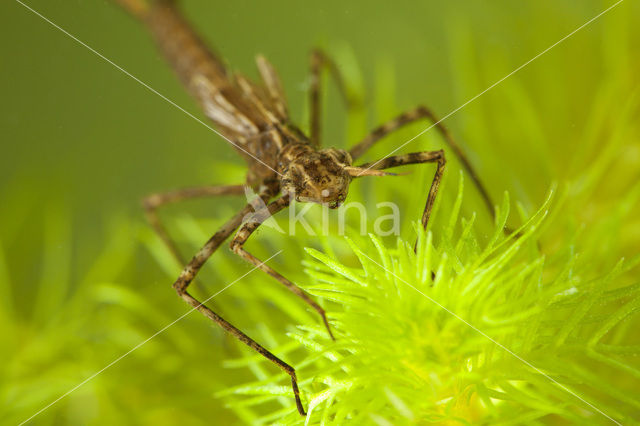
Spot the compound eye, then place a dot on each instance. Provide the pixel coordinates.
(343, 156)
(339, 155)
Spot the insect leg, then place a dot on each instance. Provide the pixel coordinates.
(152, 202)
(417, 158)
(237, 246)
(189, 273)
(408, 117)
(320, 61)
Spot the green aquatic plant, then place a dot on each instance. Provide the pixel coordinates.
(499, 333)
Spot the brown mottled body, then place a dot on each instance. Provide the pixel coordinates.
(282, 162)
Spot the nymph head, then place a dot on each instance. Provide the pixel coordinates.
(316, 176)
(319, 176)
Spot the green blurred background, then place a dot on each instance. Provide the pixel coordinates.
(82, 281)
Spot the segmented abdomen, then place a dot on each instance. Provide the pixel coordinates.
(203, 73)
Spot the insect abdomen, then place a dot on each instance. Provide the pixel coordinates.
(182, 47)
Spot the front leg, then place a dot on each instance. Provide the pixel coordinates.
(237, 246)
(422, 113)
(191, 270)
(416, 158)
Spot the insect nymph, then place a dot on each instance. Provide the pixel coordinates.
(283, 163)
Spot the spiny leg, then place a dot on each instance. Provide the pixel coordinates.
(319, 61)
(251, 343)
(408, 117)
(152, 202)
(245, 232)
(417, 158)
(191, 270)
